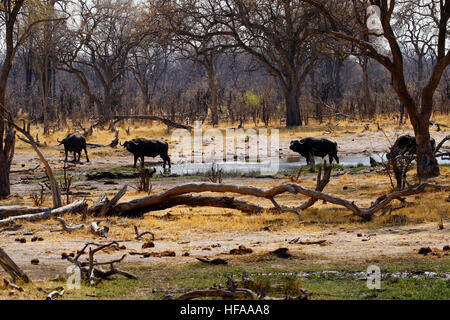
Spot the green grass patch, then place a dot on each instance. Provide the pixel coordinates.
(278, 277)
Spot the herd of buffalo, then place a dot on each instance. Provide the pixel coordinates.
(307, 147)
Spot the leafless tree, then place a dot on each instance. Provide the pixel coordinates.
(17, 20)
(99, 38)
(279, 34)
(350, 21)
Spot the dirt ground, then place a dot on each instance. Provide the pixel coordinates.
(341, 244)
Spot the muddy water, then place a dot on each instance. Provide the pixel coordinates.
(268, 166)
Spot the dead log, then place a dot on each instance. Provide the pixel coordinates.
(26, 170)
(307, 242)
(11, 211)
(111, 175)
(40, 145)
(109, 204)
(321, 184)
(166, 121)
(75, 207)
(12, 268)
(102, 232)
(139, 236)
(54, 294)
(69, 228)
(215, 261)
(91, 270)
(223, 293)
(439, 146)
(12, 285)
(175, 196)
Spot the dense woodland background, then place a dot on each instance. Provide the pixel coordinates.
(105, 58)
(277, 62)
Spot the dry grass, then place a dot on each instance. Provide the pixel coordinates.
(361, 188)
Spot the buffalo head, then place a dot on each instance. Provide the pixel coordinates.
(296, 145)
(129, 145)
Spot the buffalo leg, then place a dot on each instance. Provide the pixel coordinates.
(65, 160)
(166, 159)
(135, 161)
(142, 162)
(336, 157)
(74, 156)
(330, 157)
(85, 151)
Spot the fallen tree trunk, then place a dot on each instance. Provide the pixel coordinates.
(25, 170)
(12, 268)
(177, 196)
(191, 201)
(166, 121)
(11, 211)
(77, 206)
(223, 293)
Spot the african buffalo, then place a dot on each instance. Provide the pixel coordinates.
(311, 147)
(76, 143)
(406, 144)
(141, 147)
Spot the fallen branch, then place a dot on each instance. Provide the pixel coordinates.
(104, 205)
(138, 235)
(77, 206)
(11, 211)
(102, 232)
(223, 293)
(12, 268)
(90, 271)
(439, 146)
(307, 242)
(26, 170)
(176, 196)
(54, 294)
(40, 145)
(321, 184)
(69, 228)
(216, 261)
(12, 285)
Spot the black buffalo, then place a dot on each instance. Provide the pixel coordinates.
(406, 144)
(311, 147)
(141, 147)
(76, 143)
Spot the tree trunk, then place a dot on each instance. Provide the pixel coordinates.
(370, 108)
(293, 115)
(213, 91)
(4, 177)
(427, 165)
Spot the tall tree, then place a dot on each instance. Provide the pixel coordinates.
(279, 34)
(196, 35)
(16, 23)
(353, 21)
(98, 41)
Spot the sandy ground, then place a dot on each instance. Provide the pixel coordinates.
(341, 244)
